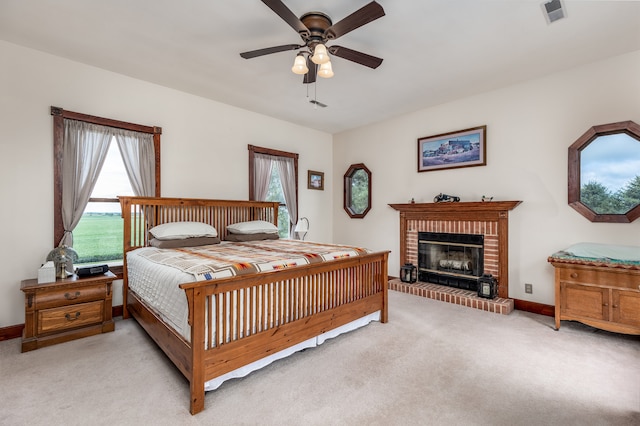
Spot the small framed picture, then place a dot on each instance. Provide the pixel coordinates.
(464, 148)
(315, 180)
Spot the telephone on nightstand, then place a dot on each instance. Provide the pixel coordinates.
(92, 270)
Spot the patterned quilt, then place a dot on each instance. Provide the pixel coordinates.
(230, 259)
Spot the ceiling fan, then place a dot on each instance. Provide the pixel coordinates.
(315, 30)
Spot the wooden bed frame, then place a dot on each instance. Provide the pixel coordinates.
(296, 304)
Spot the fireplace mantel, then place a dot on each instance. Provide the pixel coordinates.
(478, 212)
(491, 207)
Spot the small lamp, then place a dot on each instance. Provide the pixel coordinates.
(320, 55)
(300, 65)
(302, 227)
(408, 273)
(326, 71)
(63, 258)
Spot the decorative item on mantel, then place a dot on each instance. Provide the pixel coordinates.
(486, 199)
(408, 273)
(444, 198)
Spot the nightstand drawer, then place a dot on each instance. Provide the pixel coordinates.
(72, 316)
(55, 298)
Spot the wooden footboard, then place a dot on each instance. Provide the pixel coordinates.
(238, 320)
(262, 314)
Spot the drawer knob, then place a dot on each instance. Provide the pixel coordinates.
(574, 275)
(615, 306)
(605, 304)
(72, 318)
(70, 296)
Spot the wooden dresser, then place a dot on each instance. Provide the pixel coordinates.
(603, 297)
(67, 309)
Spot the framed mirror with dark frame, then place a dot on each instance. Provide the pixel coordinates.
(604, 173)
(357, 191)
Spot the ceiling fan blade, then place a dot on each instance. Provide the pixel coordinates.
(288, 16)
(269, 50)
(310, 77)
(355, 56)
(360, 17)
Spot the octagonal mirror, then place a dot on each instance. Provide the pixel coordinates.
(357, 191)
(604, 173)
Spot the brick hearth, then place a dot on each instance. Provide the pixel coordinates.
(454, 295)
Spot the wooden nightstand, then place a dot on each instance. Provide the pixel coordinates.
(67, 309)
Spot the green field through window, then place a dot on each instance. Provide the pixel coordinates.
(98, 237)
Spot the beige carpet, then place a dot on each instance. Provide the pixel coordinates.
(433, 364)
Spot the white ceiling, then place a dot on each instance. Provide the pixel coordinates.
(434, 51)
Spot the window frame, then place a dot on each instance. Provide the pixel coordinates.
(276, 153)
(575, 185)
(59, 114)
(348, 197)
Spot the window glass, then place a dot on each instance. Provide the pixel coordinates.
(98, 235)
(359, 191)
(610, 174)
(276, 194)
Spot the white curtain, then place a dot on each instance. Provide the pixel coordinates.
(262, 165)
(287, 170)
(84, 150)
(139, 159)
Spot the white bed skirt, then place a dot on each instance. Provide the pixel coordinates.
(310, 343)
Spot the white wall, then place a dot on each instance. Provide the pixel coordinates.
(529, 128)
(204, 152)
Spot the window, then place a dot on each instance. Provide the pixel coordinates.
(117, 150)
(273, 176)
(604, 184)
(98, 235)
(357, 191)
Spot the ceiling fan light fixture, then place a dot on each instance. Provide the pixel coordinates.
(300, 65)
(326, 71)
(320, 55)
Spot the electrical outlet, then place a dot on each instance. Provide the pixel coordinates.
(528, 288)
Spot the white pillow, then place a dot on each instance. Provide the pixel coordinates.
(253, 227)
(182, 230)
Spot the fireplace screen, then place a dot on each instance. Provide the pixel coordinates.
(455, 260)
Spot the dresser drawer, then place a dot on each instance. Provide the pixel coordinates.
(55, 298)
(613, 278)
(66, 317)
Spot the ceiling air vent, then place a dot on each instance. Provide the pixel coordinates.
(553, 10)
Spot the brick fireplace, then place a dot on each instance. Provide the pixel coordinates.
(489, 219)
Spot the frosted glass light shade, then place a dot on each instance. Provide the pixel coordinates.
(325, 70)
(320, 55)
(300, 65)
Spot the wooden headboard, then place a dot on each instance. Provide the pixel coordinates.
(143, 213)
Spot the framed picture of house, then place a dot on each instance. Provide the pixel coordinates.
(315, 180)
(463, 148)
